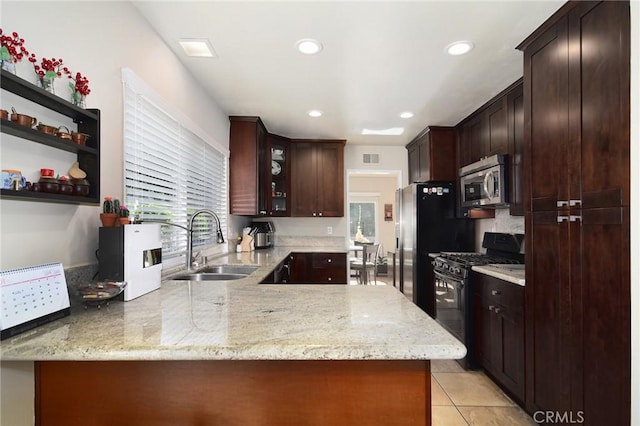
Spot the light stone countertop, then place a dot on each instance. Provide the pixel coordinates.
(511, 273)
(243, 320)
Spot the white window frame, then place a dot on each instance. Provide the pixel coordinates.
(162, 140)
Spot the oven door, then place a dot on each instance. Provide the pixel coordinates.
(450, 303)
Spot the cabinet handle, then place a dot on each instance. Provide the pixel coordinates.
(561, 219)
(497, 310)
(495, 292)
(573, 203)
(320, 214)
(562, 203)
(329, 279)
(329, 260)
(575, 218)
(491, 307)
(313, 214)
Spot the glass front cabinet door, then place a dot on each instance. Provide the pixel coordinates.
(278, 172)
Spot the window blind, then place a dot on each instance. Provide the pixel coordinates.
(170, 170)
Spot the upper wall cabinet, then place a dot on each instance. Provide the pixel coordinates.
(247, 168)
(317, 178)
(497, 128)
(88, 156)
(271, 175)
(432, 155)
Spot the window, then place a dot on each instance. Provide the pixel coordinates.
(171, 169)
(362, 217)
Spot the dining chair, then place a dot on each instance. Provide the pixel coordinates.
(367, 263)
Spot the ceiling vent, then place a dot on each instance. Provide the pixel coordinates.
(370, 158)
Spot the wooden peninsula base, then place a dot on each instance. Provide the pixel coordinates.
(233, 393)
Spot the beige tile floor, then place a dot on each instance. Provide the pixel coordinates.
(467, 398)
(470, 398)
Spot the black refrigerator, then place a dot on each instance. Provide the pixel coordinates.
(427, 223)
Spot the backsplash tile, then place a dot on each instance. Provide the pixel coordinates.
(503, 222)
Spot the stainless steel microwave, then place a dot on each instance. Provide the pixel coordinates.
(483, 183)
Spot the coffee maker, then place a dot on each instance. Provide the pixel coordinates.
(262, 234)
(131, 253)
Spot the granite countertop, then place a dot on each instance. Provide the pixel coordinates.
(511, 273)
(243, 320)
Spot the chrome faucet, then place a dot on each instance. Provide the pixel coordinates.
(189, 229)
(219, 239)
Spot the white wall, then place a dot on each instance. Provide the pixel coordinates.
(97, 39)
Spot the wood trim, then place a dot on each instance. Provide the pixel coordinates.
(233, 393)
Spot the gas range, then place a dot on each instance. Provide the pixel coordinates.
(459, 264)
(451, 283)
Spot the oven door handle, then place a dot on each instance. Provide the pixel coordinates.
(449, 278)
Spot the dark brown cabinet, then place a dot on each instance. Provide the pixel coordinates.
(259, 169)
(497, 128)
(317, 178)
(88, 155)
(577, 297)
(432, 155)
(247, 168)
(318, 268)
(499, 329)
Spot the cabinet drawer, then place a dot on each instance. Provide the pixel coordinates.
(510, 297)
(333, 275)
(327, 260)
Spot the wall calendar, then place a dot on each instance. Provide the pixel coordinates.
(32, 296)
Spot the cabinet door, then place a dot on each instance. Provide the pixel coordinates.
(277, 176)
(546, 87)
(497, 128)
(602, 324)
(304, 184)
(548, 302)
(413, 153)
(330, 178)
(299, 267)
(516, 151)
(246, 152)
(600, 98)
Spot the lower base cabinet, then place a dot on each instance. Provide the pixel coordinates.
(499, 330)
(318, 268)
(233, 393)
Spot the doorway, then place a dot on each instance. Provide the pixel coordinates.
(371, 211)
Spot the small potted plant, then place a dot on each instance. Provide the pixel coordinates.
(12, 50)
(124, 215)
(109, 215)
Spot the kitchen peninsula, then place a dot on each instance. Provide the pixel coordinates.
(239, 352)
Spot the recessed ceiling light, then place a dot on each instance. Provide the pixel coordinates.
(459, 47)
(315, 113)
(392, 131)
(309, 46)
(406, 114)
(198, 47)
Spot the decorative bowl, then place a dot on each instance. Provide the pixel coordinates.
(4, 114)
(80, 187)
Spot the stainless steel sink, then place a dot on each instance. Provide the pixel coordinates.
(209, 277)
(218, 273)
(230, 269)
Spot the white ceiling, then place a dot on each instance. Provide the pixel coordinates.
(380, 58)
